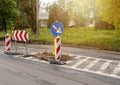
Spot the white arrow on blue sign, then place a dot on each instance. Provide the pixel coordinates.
(57, 28)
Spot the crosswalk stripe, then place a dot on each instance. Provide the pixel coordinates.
(104, 66)
(29, 58)
(34, 59)
(68, 62)
(79, 62)
(42, 61)
(16, 56)
(21, 57)
(116, 70)
(78, 57)
(91, 64)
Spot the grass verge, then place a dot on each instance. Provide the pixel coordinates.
(102, 39)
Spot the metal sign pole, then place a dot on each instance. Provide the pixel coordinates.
(57, 29)
(15, 47)
(26, 47)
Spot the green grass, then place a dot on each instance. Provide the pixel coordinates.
(103, 39)
(44, 36)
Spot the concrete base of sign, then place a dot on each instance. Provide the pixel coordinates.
(61, 62)
(12, 53)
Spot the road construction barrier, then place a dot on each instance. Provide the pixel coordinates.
(57, 29)
(19, 35)
(7, 43)
(57, 49)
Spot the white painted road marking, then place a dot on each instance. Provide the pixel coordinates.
(104, 66)
(101, 69)
(116, 70)
(91, 64)
(29, 58)
(79, 62)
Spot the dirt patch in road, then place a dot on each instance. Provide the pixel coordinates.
(47, 56)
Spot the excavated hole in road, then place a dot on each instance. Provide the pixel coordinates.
(50, 57)
(45, 56)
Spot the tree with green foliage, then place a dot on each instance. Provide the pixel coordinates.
(74, 11)
(77, 13)
(22, 17)
(29, 8)
(81, 11)
(109, 11)
(8, 13)
(57, 13)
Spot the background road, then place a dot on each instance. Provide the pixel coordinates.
(69, 50)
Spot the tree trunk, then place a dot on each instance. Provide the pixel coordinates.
(35, 17)
(34, 30)
(4, 25)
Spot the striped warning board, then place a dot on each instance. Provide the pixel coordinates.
(57, 49)
(19, 35)
(7, 43)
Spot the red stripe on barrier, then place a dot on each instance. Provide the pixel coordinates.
(7, 36)
(21, 35)
(8, 49)
(58, 49)
(25, 36)
(7, 43)
(57, 40)
(16, 35)
(58, 58)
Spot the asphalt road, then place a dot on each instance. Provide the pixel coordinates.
(15, 71)
(18, 71)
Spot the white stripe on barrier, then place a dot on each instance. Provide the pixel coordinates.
(58, 43)
(23, 35)
(19, 39)
(14, 35)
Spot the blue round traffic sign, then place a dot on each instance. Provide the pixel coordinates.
(57, 28)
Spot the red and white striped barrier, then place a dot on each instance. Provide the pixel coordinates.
(57, 49)
(19, 35)
(7, 43)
